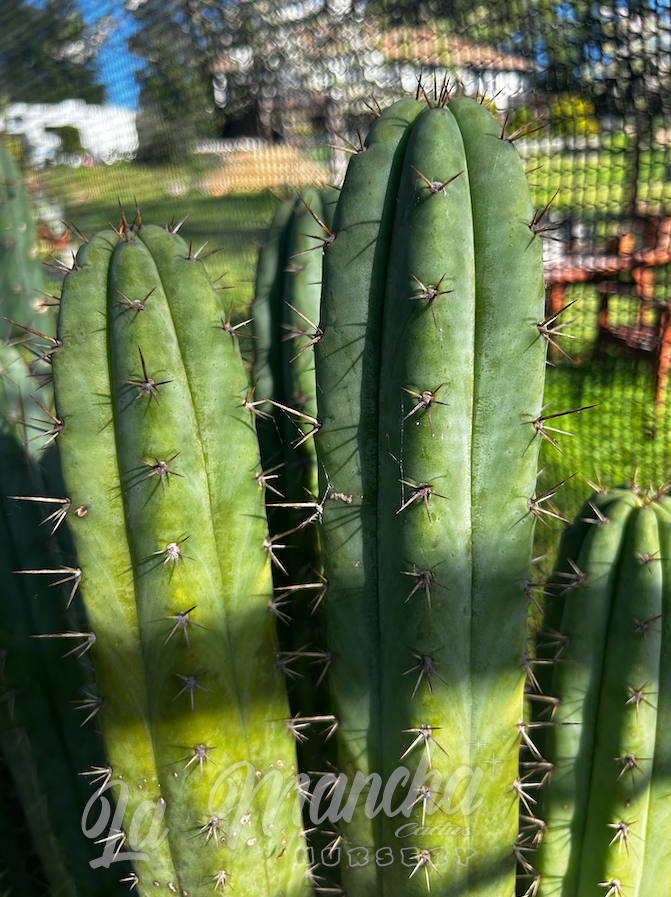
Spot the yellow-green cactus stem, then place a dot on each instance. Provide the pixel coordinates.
(159, 458)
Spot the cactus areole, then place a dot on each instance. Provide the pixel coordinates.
(159, 454)
(430, 375)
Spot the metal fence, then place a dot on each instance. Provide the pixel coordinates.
(228, 99)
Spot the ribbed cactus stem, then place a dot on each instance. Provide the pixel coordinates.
(507, 393)
(21, 277)
(176, 573)
(347, 363)
(291, 312)
(430, 429)
(267, 310)
(91, 470)
(605, 807)
(301, 312)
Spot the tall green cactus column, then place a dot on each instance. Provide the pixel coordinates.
(509, 374)
(424, 468)
(21, 275)
(290, 514)
(430, 374)
(347, 364)
(159, 457)
(286, 313)
(606, 806)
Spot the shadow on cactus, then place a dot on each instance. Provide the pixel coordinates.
(605, 804)
(42, 682)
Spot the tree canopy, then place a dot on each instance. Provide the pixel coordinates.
(618, 50)
(270, 55)
(47, 53)
(176, 91)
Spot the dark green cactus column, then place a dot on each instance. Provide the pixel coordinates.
(41, 739)
(286, 329)
(302, 295)
(606, 805)
(286, 311)
(159, 457)
(430, 373)
(20, 267)
(347, 362)
(298, 507)
(268, 315)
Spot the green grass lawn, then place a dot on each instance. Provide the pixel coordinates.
(621, 436)
(610, 441)
(235, 224)
(593, 183)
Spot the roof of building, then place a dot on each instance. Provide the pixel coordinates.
(418, 46)
(425, 46)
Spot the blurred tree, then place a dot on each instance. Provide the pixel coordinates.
(270, 61)
(287, 59)
(176, 91)
(487, 21)
(47, 53)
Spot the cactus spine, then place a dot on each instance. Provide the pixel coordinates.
(159, 456)
(433, 290)
(285, 318)
(606, 804)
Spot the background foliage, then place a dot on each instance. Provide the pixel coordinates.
(302, 75)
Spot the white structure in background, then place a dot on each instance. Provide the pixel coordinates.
(107, 133)
(481, 70)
